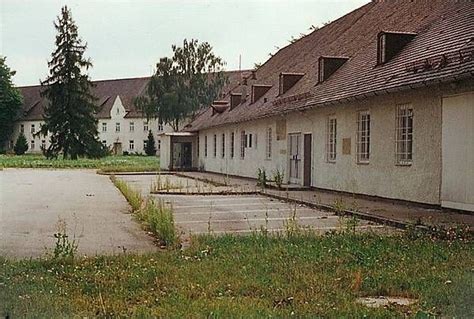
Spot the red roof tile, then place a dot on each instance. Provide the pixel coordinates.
(442, 27)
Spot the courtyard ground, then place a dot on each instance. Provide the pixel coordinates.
(32, 201)
(233, 213)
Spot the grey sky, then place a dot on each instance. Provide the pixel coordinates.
(127, 38)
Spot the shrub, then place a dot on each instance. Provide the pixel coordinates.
(150, 148)
(21, 145)
(64, 247)
(261, 177)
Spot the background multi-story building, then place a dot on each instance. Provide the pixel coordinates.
(121, 126)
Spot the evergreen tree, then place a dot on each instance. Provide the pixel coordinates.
(150, 149)
(69, 115)
(10, 102)
(21, 145)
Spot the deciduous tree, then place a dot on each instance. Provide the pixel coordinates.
(183, 84)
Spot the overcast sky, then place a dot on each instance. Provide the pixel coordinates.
(127, 38)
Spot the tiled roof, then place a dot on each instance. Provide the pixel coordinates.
(443, 27)
(106, 91)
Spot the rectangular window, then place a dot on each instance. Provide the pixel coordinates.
(145, 126)
(117, 127)
(268, 144)
(32, 145)
(104, 127)
(32, 129)
(250, 141)
(243, 143)
(197, 148)
(160, 126)
(144, 145)
(232, 140)
(43, 144)
(131, 145)
(215, 145)
(104, 142)
(132, 126)
(22, 128)
(205, 146)
(159, 145)
(331, 136)
(223, 146)
(363, 137)
(404, 135)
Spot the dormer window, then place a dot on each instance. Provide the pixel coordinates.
(327, 65)
(389, 44)
(219, 106)
(259, 90)
(235, 99)
(288, 80)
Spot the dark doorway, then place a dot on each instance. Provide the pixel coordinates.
(182, 155)
(307, 151)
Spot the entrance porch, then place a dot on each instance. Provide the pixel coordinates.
(178, 151)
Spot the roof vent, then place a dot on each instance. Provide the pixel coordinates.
(288, 80)
(259, 90)
(390, 43)
(327, 65)
(235, 99)
(219, 106)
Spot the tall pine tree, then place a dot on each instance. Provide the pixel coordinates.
(69, 114)
(10, 103)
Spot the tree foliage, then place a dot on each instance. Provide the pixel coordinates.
(10, 103)
(21, 145)
(150, 148)
(190, 79)
(69, 115)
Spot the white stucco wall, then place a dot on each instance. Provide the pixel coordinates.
(419, 182)
(110, 136)
(457, 189)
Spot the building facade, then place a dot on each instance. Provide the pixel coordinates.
(121, 127)
(379, 102)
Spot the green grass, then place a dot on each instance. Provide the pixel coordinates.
(248, 277)
(154, 216)
(106, 164)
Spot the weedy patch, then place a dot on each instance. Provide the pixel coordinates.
(252, 276)
(65, 248)
(155, 216)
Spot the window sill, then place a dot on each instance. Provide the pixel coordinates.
(404, 164)
(330, 162)
(363, 163)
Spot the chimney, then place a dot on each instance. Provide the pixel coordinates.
(327, 65)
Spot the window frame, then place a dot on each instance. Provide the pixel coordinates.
(243, 142)
(145, 126)
(131, 145)
(205, 145)
(132, 126)
(268, 143)
(215, 146)
(363, 147)
(232, 145)
(117, 127)
(331, 139)
(223, 145)
(104, 127)
(404, 134)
